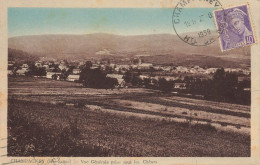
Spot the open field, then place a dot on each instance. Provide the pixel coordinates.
(125, 122)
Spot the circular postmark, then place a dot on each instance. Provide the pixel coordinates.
(193, 21)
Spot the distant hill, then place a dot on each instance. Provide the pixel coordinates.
(81, 46)
(19, 56)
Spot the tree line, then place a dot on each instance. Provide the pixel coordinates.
(224, 86)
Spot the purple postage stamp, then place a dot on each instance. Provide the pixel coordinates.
(234, 26)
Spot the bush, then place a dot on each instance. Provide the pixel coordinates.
(205, 127)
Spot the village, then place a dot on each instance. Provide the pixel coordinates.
(70, 71)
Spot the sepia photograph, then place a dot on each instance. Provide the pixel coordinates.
(177, 81)
(103, 82)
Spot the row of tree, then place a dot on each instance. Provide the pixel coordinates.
(224, 86)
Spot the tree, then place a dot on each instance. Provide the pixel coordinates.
(95, 78)
(54, 77)
(108, 70)
(88, 64)
(70, 70)
(154, 83)
(219, 75)
(147, 82)
(218, 85)
(135, 61)
(34, 71)
(56, 68)
(165, 85)
(110, 83)
(136, 80)
(244, 84)
(189, 82)
(231, 82)
(224, 85)
(128, 77)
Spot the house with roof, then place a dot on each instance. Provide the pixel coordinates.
(76, 71)
(25, 66)
(243, 78)
(210, 70)
(10, 66)
(142, 77)
(22, 71)
(46, 66)
(166, 68)
(73, 77)
(181, 69)
(10, 72)
(180, 85)
(38, 64)
(145, 66)
(63, 67)
(50, 74)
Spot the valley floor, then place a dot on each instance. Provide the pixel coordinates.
(57, 118)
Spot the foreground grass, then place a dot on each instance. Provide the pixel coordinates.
(38, 129)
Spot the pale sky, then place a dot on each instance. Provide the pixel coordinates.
(122, 21)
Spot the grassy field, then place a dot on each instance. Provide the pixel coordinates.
(56, 118)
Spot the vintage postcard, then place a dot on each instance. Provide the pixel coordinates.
(161, 82)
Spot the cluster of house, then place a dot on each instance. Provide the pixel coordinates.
(74, 76)
(178, 69)
(54, 70)
(21, 71)
(200, 70)
(171, 69)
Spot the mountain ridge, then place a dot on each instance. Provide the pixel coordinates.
(87, 45)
